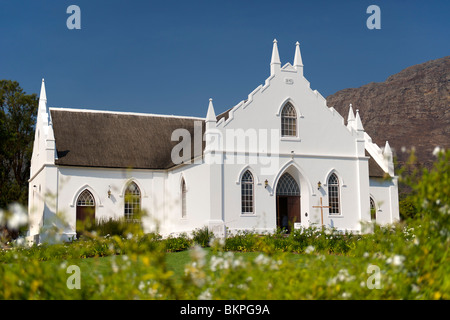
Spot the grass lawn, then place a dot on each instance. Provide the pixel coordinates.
(176, 262)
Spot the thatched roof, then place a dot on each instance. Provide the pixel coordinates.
(124, 140)
(117, 140)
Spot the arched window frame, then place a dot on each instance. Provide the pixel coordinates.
(85, 199)
(247, 193)
(334, 195)
(287, 186)
(289, 121)
(132, 201)
(97, 199)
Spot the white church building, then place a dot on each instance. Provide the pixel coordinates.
(279, 159)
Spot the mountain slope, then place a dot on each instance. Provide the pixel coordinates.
(409, 109)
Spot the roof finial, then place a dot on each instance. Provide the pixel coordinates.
(351, 118)
(43, 95)
(297, 57)
(275, 63)
(359, 126)
(388, 158)
(42, 106)
(387, 149)
(351, 115)
(211, 115)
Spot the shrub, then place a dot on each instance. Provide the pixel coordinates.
(407, 208)
(180, 243)
(241, 241)
(114, 227)
(202, 236)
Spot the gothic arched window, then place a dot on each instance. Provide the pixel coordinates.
(333, 194)
(287, 186)
(247, 194)
(132, 201)
(86, 199)
(288, 121)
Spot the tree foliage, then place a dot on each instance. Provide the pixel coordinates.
(18, 112)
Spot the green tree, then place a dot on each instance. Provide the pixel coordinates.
(17, 123)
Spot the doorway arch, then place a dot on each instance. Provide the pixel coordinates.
(85, 211)
(288, 202)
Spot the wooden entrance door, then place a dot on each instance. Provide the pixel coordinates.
(288, 202)
(288, 212)
(85, 212)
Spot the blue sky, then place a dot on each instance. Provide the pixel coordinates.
(170, 57)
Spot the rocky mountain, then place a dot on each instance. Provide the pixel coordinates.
(409, 109)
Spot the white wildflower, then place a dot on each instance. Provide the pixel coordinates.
(236, 263)
(445, 209)
(346, 295)
(262, 260)
(342, 276)
(198, 255)
(114, 266)
(436, 151)
(321, 257)
(205, 295)
(309, 249)
(215, 263)
(396, 260)
(19, 217)
(2, 217)
(217, 242)
(19, 242)
(242, 286)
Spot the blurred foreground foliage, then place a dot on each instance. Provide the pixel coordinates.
(406, 260)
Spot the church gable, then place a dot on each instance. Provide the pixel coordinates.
(320, 130)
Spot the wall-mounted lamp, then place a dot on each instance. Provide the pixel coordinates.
(109, 192)
(319, 185)
(266, 183)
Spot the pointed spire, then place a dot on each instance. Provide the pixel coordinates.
(297, 57)
(211, 115)
(43, 95)
(359, 126)
(275, 63)
(351, 116)
(387, 150)
(388, 159)
(42, 107)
